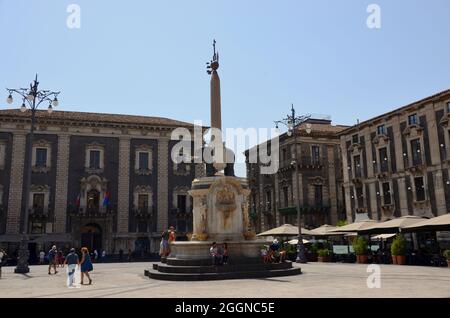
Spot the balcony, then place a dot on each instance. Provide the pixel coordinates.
(182, 213)
(305, 162)
(93, 212)
(145, 212)
(38, 213)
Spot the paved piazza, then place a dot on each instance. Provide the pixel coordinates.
(317, 280)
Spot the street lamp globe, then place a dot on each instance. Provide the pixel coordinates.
(308, 128)
(30, 97)
(55, 102)
(50, 109)
(23, 108)
(10, 99)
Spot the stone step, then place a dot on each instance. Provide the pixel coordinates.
(222, 276)
(221, 269)
(208, 261)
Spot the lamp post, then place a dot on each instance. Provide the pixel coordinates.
(292, 122)
(33, 98)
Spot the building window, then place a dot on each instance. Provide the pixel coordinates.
(318, 195)
(412, 119)
(41, 157)
(285, 196)
(355, 139)
(360, 197)
(381, 130)
(420, 189)
(143, 201)
(38, 202)
(284, 154)
(384, 162)
(143, 161)
(94, 159)
(386, 193)
(416, 152)
(2, 155)
(448, 107)
(181, 203)
(357, 164)
(268, 200)
(315, 151)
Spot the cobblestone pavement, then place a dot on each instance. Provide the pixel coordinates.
(318, 280)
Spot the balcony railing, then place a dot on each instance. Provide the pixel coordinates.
(101, 211)
(145, 212)
(304, 162)
(182, 213)
(38, 213)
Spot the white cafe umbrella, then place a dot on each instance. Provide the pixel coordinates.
(392, 226)
(354, 227)
(439, 223)
(325, 230)
(285, 230)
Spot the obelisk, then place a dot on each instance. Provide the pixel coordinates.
(216, 112)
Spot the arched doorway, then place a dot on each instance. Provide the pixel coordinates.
(91, 237)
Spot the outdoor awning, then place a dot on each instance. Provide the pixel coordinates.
(439, 223)
(285, 230)
(354, 227)
(391, 226)
(326, 230)
(382, 236)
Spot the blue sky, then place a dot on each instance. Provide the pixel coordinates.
(148, 57)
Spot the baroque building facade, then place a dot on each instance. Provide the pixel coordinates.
(99, 180)
(273, 197)
(397, 164)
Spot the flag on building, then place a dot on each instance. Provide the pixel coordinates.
(106, 199)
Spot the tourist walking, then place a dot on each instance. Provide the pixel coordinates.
(2, 256)
(171, 234)
(41, 258)
(95, 256)
(86, 265)
(130, 255)
(60, 259)
(52, 260)
(103, 256)
(164, 248)
(72, 261)
(120, 255)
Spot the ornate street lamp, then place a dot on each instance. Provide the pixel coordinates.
(292, 122)
(33, 98)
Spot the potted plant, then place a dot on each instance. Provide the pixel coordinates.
(312, 252)
(398, 250)
(323, 255)
(360, 247)
(447, 256)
